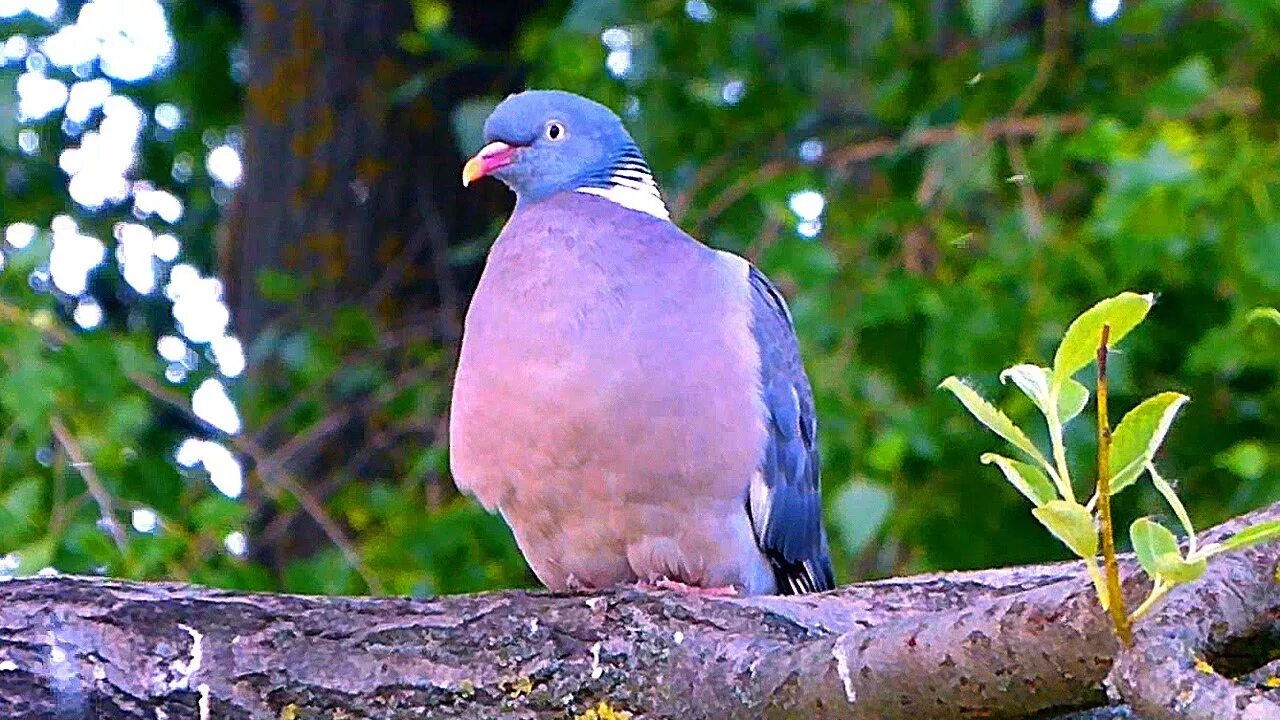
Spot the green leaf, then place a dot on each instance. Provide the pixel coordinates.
(1184, 88)
(1072, 397)
(276, 286)
(1264, 313)
(1028, 479)
(988, 415)
(1177, 570)
(1158, 553)
(858, 513)
(1252, 536)
(1247, 459)
(1136, 439)
(35, 557)
(430, 15)
(28, 393)
(1033, 380)
(1080, 343)
(1072, 524)
(1150, 540)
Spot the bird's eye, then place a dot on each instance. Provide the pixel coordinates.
(555, 130)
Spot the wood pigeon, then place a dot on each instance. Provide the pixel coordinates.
(630, 400)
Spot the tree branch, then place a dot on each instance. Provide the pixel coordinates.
(865, 151)
(997, 643)
(101, 496)
(1167, 675)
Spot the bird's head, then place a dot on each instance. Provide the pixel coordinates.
(540, 142)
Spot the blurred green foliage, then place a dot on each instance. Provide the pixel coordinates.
(985, 175)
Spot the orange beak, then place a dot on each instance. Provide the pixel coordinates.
(491, 157)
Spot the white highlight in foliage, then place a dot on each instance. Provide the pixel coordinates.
(807, 204)
(45, 9)
(149, 201)
(228, 352)
(224, 470)
(733, 91)
(15, 48)
(73, 256)
(699, 10)
(618, 62)
(88, 314)
(145, 520)
(168, 116)
(9, 564)
(1104, 10)
(225, 165)
(100, 166)
(811, 150)
(171, 348)
(130, 38)
(166, 247)
(197, 304)
(236, 543)
(20, 235)
(211, 403)
(39, 95)
(85, 97)
(616, 38)
(135, 251)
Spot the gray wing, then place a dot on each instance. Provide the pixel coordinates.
(784, 501)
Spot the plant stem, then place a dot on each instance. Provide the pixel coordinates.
(1115, 597)
(1063, 476)
(1157, 592)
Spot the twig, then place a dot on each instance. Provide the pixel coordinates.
(315, 509)
(1032, 205)
(1115, 598)
(855, 153)
(6, 444)
(280, 477)
(705, 174)
(96, 488)
(337, 420)
(742, 186)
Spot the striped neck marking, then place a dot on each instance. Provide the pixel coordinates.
(629, 183)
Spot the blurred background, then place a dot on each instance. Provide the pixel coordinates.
(236, 256)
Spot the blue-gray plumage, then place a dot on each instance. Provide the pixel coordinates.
(632, 401)
(788, 520)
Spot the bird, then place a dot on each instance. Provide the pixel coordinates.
(630, 400)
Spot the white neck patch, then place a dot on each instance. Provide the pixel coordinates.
(632, 186)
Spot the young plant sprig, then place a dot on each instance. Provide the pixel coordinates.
(1125, 454)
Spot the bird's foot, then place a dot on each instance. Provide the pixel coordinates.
(677, 586)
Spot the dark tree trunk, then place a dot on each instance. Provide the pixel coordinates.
(353, 191)
(343, 183)
(1013, 643)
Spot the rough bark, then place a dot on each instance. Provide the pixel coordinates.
(1167, 673)
(1001, 643)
